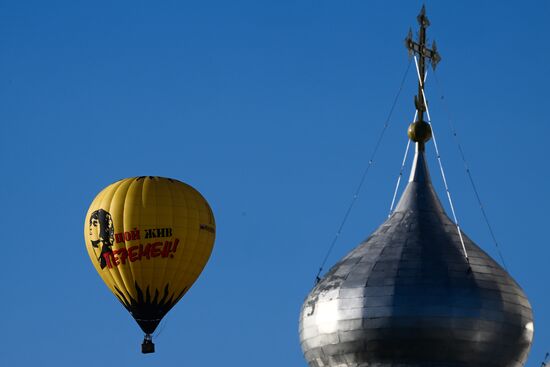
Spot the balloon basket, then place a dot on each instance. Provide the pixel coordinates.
(147, 346)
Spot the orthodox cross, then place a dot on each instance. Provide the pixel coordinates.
(419, 48)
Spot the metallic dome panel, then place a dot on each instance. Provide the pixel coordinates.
(407, 297)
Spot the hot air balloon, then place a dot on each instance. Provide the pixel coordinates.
(149, 239)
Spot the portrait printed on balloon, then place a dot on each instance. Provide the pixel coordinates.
(102, 232)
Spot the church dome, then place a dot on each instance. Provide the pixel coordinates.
(409, 296)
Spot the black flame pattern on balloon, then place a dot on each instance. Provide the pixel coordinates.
(146, 310)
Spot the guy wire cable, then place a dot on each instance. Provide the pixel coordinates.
(362, 180)
(441, 164)
(469, 173)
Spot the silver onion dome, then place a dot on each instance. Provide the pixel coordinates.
(407, 296)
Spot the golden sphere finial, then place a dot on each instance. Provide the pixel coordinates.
(420, 131)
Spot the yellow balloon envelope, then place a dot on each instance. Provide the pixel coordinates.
(149, 238)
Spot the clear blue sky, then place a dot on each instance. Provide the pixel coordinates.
(271, 109)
